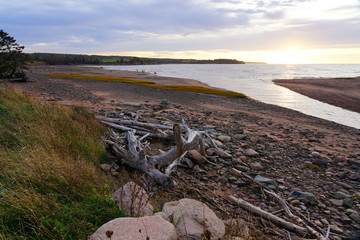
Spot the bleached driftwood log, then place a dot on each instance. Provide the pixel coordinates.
(134, 155)
(266, 215)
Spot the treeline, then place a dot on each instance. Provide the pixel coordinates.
(71, 59)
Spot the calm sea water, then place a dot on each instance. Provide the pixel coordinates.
(255, 80)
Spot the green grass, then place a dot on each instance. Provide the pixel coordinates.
(183, 88)
(50, 183)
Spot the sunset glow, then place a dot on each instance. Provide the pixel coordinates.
(284, 31)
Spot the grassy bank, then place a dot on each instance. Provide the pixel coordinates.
(50, 184)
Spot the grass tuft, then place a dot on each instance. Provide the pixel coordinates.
(50, 184)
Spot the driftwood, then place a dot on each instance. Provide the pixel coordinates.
(134, 155)
(314, 230)
(266, 215)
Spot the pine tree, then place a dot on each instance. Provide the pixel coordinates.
(12, 59)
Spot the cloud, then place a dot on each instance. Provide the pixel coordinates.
(176, 25)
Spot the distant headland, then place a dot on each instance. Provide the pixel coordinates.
(72, 59)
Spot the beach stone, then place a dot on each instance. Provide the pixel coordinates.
(354, 215)
(240, 136)
(133, 199)
(105, 167)
(305, 195)
(224, 138)
(193, 219)
(240, 226)
(340, 195)
(261, 179)
(315, 154)
(336, 202)
(148, 227)
(250, 153)
(196, 156)
(256, 166)
(347, 203)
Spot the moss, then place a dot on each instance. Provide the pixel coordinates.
(183, 88)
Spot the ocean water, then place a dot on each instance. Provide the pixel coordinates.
(255, 80)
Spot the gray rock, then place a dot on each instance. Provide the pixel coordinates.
(251, 153)
(224, 138)
(193, 219)
(149, 227)
(354, 215)
(265, 180)
(133, 199)
(340, 195)
(105, 167)
(305, 195)
(240, 136)
(347, 202)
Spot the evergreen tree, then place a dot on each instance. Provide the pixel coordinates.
(12, 59)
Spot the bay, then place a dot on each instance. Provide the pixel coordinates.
(255, 80)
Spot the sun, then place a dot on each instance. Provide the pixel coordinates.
(288, 56)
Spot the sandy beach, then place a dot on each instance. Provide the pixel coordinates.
(341, 92)
(289, 143)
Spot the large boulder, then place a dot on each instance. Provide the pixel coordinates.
(143, 228)
(193, 219)
(133, 199)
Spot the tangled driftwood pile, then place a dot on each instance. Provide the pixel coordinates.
(130, 148)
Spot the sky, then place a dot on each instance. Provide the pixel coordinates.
(273, 31)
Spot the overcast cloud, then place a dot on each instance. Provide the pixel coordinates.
(106, 26)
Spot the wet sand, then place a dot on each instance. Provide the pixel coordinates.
(340, 92)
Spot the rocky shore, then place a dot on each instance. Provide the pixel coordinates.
(312, 163)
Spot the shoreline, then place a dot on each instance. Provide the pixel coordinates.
(289, 143)
(340, 92)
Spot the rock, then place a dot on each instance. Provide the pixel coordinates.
(347, 203)
(219, 152)
(340, 195)
(315, 154)
(344, 185)
(224, 138)
(149, 227)
(238, 228)
(256, 166)
(133, 199)
(105, 167)
(305, 195)
(251, 153)
(354, 215)
(193, 219)
(240, 136)
(321, 163)
(261, 179)
(336, 202)
(354, 163)
(196, 156)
